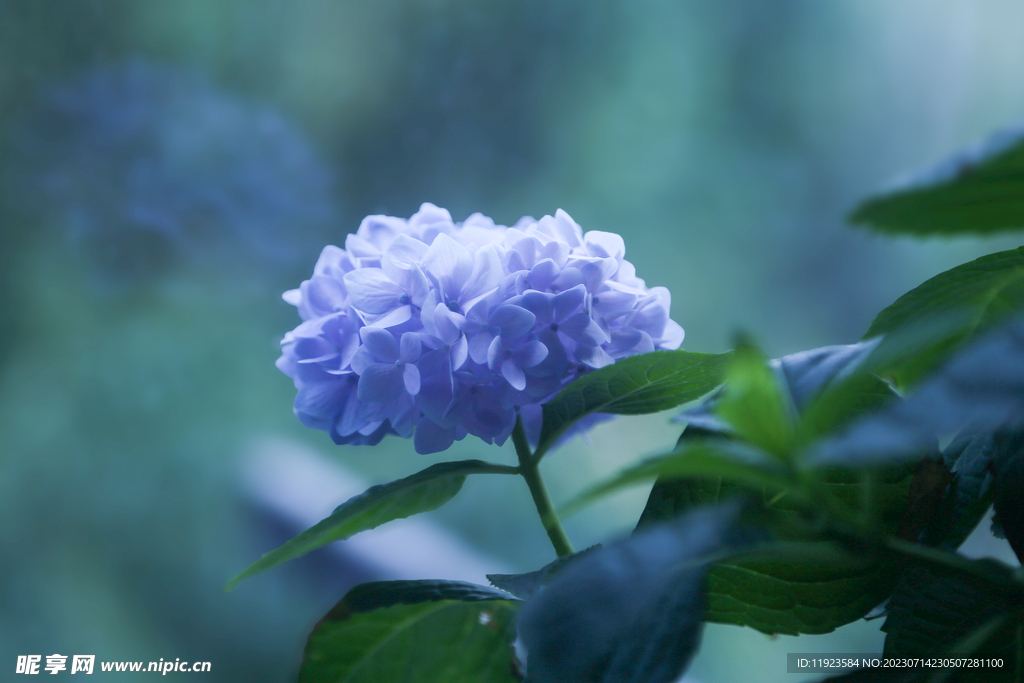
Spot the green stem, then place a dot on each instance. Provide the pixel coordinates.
(528, 467)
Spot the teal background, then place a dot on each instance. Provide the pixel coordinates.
(724, 140)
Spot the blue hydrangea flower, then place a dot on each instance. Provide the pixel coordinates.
(435, 329)
(138, 161)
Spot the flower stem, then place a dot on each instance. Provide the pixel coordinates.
(528, 467)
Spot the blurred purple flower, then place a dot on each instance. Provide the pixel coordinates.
(140, 161)
(447, 329)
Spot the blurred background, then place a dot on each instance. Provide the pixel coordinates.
(168, 169)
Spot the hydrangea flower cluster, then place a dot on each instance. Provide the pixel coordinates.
(137, 161)
(441, 329)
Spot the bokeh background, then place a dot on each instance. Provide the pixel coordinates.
(167, 169)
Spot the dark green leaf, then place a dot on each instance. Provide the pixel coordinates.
(930, 610)
(980, 190)
(911, 351)
(1008, 485)
(414, 632)
(982, 386)
(842, 403)
(811, 592)
(754, 404)
(969, 458)
(959, 303)
(797, 588)
(714, 460)
(525, 586)
(426, 490)
(647, 383)
(629, 612)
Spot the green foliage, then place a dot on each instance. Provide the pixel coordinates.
(728, 463)
(807, 589)
(754, 405)
(981, 387)
(647, 383)
(630, 611)
(426, 490)
(415, 632)
(813, 591)
(979, 191)
(800, 593)
(959, 302)
(931, 610)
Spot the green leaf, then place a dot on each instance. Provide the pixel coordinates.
(414, 632)
(964, 300)
(426, 490)
(841, 403)
(754, 403)
(630, 611)
(798, 588)
(1008, 485)
(969, 458)
(981, 386)
(713, 460)
(814, 590)
(930, 610)
(978, 191)
(636, 385)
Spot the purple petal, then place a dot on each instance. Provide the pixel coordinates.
(596, 272)
(459, 351)
(450, 264)
(360, 247)
(479, 343)
(567, 279)
(411, 348)
(611, 304)
(431, 438)
(411, 378)
(361, 359)
(401, 255)
(448, 324)
(487, 273)
(594, 356)
(542, 275)
(322, 295)
(555, 363)
(380, 383)
(568, 302)
(528, 355)
(540, 304)
(371, 291)
(392, 318)
(314, 350)
(380, 343)
(513, 374)
(512, 321)
(405, 421)
(322, 399)
(605, 244)
(495, 352)
(652, 313)
(582, 329)
(556, 251)
(672, 337)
